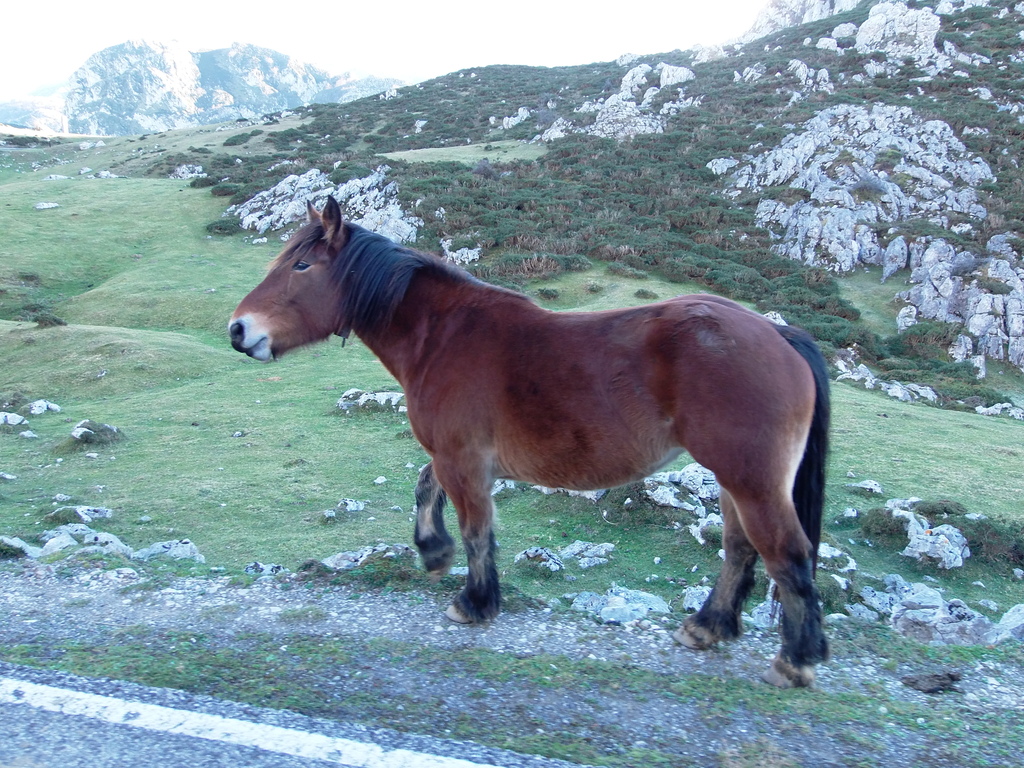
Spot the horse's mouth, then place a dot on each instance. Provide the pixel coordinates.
(258, 348)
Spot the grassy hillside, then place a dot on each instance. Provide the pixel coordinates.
(243, 458)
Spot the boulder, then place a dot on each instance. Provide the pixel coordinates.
(944, 544)
(181, 549)
(900, 32)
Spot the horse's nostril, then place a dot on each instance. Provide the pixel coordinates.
(236, 331)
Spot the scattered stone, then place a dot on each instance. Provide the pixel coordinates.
(88, 432)
(866, 487)
(344, 561)
(28, 434)
(182, 549)
(712, 521)
(12, 419)
(105, 544)
(78, 514)
(6, 477)
(542, 557)
(695, 597)
(351, 505)
(264, 569)
(944, 544)
(188, 171)
(45, 206)
(357, 399)
(619, 605)
(587, 554)
(42, 406)
(59, 542)
(380, 480)
(593, 496)
(12, 547)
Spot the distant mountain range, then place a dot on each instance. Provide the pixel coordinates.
(146, 87)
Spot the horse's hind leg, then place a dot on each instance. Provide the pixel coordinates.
(803, 639)
(435, 545)
(480, 600)
(720, 616)
(788, 557)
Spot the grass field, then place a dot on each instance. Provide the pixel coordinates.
(243, 458)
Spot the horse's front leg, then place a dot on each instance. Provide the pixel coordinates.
(470, 492)
(435, 545)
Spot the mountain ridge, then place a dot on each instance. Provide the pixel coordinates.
(143, 86)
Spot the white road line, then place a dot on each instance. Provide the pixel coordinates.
(272, 738)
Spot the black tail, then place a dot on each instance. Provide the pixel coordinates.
(809, 488)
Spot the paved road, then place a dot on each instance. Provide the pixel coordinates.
(54, 720)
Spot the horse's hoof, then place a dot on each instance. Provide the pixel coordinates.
(436, 576)
(782, 674)
(694, 638)
(455, 614)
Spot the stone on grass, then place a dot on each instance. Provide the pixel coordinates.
(38, 407)
(78, 514)
(105, 544)
(587, 554)
(181, 549)
(344, 561)
(357, 399)
(541, 557)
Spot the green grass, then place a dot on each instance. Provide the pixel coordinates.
(496, 151)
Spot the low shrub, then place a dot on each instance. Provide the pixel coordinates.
(223, 228)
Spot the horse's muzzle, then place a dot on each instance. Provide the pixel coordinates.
(250, 341)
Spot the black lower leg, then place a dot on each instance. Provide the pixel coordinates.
(481, 598)
(803, 638)
(432, 540)
(720, 616)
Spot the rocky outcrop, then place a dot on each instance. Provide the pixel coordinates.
(779, 14)
(898, 31)
(371, 202)
(143, 87)
(860, 167)
(631, 111)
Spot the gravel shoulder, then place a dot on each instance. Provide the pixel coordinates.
(534, 680)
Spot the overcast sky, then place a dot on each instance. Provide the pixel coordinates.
(41, 44)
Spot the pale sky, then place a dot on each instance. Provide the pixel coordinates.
(41, 44)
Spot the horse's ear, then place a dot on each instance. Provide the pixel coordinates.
(312, 214)
(334, 225)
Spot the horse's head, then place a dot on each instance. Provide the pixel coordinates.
(299, 300)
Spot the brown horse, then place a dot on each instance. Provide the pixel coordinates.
(497, 387)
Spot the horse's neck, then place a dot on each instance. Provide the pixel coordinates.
(412, 335)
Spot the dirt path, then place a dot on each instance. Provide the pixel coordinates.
(537, 680)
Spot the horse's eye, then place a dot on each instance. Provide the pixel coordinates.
(301, 266)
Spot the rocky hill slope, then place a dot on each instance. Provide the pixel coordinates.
(884, 136)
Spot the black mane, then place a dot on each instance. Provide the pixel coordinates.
(374, 274)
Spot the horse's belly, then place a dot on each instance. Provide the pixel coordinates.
(589, 472)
